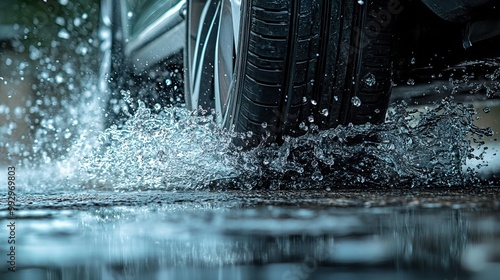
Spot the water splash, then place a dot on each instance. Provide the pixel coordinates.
(50, 108)
(172, 148)
(177, 149)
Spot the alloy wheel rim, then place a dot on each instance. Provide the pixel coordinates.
(225, 27)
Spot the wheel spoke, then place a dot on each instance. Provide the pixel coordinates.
(203, 59)
(224, 60)
(213, 55)
(236, 15)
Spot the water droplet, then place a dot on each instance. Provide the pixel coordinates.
(486, 109)
(361, 2)
(313, 102)
(361, 179)
(60, 21)
(317, 176)
(77, 22)
(410, 82)
(412, 61)
(370, 80)
(303, 126)
(310, 118)
(83, 50)
(130, 14)
(63, 34)
(356, 101)
(304, 99)
(264, 125)
(59, 78)
(324, 112)
(157, 107)
(35, 53)
(168, 82)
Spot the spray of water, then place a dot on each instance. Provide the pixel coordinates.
(50, 108)
(176, 149)
(172, 148)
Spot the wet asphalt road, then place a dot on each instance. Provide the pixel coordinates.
(477, 197)
(363, 233)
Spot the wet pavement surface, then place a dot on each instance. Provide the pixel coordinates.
(237, 234)
(487, 197)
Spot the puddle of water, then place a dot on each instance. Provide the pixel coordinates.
(225, 241)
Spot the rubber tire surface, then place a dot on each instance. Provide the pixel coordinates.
(321, 61)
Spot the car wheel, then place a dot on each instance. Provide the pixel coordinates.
(278, 66)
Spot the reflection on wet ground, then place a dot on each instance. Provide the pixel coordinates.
(338, 234)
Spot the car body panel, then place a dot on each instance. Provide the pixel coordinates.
(150, 30)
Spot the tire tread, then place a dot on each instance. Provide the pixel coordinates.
(305, 48)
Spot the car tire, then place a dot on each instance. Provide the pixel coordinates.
(292, 63)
